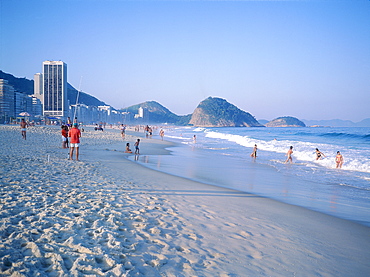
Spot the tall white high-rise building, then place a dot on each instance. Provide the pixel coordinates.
(54, 89)
(37, 86)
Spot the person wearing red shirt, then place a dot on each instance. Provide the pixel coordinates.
(75, 135)
(64, 136)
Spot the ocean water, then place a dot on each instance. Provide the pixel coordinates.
(221, 157)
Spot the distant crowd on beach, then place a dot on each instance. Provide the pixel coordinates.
(339, 160)
(71, 135)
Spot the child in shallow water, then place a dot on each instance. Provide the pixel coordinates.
(137, 151)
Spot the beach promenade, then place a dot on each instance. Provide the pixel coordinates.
(108, 216)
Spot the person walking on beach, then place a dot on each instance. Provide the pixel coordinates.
(254, 153)
(137, 150)
(289, 154)
(23, 126)
(339, 160)
(161, 133)
(123, 131)
(128, 150)
(319, 154)
(75, 135)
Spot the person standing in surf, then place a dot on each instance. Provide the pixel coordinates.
(254, 153)
(137, 150)
(339, 160)
(319, 154)
(289, 154)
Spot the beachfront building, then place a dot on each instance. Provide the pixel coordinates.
(140, 113)
(12, 103)
(85, 114)
(104, 113)
(6, 101)
(22, 103)
(92, 114)
(36, 106)
(54, 89)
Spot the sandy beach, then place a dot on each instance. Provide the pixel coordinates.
(109, 216)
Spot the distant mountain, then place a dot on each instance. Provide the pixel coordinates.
(154, 113)
(217, 112)
(20, 84)
(338, 123)
(84, 98)
(263, 121)
(26, 86)
(363, 123)
(285, 121)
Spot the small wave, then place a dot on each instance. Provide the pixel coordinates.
(346, 135)
(199, 129)
(355, 187)
(178, 137)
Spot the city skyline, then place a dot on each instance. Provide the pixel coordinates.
(308, 59)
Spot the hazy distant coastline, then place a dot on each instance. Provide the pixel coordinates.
(160, 114)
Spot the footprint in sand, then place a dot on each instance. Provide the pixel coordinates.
(192, 236)
(256, 255)
(242, 235)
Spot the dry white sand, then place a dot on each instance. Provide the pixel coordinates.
(108, 216)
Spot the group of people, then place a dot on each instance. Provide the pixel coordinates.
(137, 150)
(148, 131)
(70, 130)
(339, 160)
(71, 135)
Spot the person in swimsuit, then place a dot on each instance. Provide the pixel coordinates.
(23, 126)
(254, 153)
(123, 131)
(137, 151)
(339, 160)
(69, 123)
(128, 150)
(319, 154)
(289, 154)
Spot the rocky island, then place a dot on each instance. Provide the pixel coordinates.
(217, 112)
(285, 121)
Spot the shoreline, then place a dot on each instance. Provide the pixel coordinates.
(109, 215)
(251, 177)
(298, 222)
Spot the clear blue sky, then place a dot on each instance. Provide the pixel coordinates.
(308, 59)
